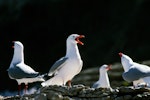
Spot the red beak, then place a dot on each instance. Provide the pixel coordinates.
(120, 54)
(78, 41)
(109, 67)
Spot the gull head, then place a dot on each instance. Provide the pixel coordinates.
(105, 67)
(17, 44)
(75, 38)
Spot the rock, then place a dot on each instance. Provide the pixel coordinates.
(54, 96)
(41, 96)
(127, 97)
(81, 92)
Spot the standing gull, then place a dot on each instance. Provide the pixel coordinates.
(103, 81)
(68, 66)
(21, 72)
(135, 72)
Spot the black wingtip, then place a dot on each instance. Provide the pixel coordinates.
(45, 76)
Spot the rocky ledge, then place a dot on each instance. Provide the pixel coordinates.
(81, 92)
(122, 90)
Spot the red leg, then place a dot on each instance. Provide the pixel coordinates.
(26, 87)
(19, 89)
(69, 83)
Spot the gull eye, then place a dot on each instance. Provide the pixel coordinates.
(74, 37)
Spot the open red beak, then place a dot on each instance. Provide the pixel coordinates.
(78, 39)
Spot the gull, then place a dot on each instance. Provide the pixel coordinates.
(134, 72)
(21, 72)
(67, 67)
(103, 81)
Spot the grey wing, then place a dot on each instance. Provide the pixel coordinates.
(18, 73)
(95, 85)
(135, 74)
(57, 65)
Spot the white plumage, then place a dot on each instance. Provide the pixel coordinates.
(68, 66)
(134, 72)
(103, 81)
(19, 71)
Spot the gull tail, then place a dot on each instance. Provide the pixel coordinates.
(56, 80)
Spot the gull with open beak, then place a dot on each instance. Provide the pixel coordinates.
(68, 66)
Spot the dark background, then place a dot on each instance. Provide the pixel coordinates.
(110, 26)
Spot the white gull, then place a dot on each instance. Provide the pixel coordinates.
(103, 81)
(134, 72)
(68, 66)
(21, 72)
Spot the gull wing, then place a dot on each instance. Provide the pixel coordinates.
(57, 65)
(136, 73)
(19, 71)
(96, 85)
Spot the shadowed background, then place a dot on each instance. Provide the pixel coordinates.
(43, 26)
